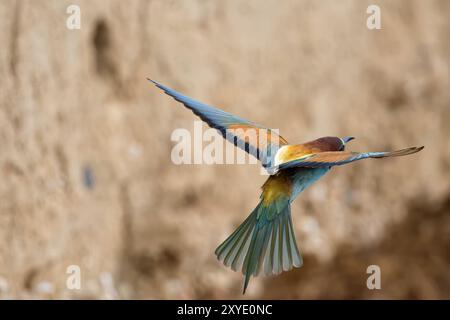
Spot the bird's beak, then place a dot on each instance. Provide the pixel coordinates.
(347, 139)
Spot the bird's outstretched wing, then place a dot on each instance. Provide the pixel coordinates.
(257, 140)
(337, 158)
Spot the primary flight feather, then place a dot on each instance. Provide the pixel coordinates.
(265, 241)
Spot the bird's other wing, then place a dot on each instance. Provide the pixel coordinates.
(262, 143)
(337, 158)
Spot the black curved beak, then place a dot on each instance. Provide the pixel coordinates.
(347, 139)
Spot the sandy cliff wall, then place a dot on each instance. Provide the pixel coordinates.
(85, 145)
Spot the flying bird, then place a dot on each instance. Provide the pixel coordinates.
(265, 241)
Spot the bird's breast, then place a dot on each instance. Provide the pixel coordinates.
(287, 184)
(304, 177)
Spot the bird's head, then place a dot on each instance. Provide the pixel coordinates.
(344, 142)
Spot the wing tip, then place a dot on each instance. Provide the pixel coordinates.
(154, 82)
(413, 150)
(397, 153)
(166, 90)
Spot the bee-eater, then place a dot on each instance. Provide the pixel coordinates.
(265, 241)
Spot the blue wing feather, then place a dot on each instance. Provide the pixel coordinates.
(214, 117)
(222, 121)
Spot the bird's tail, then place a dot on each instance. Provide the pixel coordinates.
(264, 242)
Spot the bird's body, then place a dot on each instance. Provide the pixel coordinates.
(302, 178)
(265, 241)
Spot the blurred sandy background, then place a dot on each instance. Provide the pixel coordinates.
(86, 176)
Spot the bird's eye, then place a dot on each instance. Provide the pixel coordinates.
(342, 148)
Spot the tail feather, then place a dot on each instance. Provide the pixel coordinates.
(231, 251)
(263, 243)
